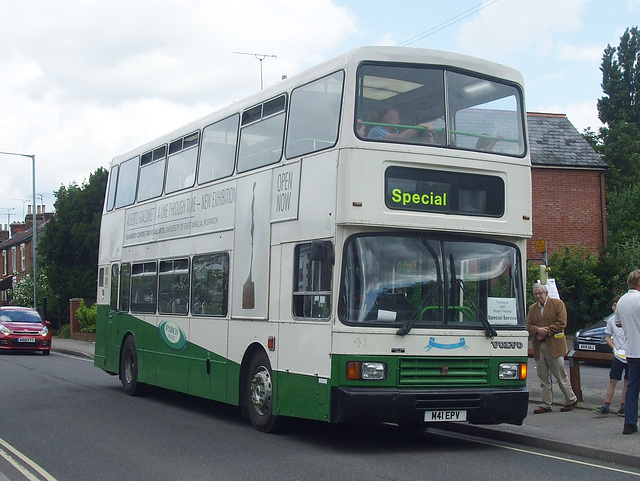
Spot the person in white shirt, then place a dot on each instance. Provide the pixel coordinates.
(628, 312)
(617, 341)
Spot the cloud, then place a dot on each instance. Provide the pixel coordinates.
(505, 28)
(589, 54)
(581, 114)
(88, 79)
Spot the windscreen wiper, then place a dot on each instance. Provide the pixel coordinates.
(489, 329)
(404, 330)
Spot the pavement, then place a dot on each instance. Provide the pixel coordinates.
(579, 432)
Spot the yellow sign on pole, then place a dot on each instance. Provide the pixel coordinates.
(541, 246)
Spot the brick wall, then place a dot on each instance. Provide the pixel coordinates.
(74, 322)
(568, 209)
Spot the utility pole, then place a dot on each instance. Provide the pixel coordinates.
(261, 57)
(34, 224)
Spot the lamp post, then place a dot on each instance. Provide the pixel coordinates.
(33, 222)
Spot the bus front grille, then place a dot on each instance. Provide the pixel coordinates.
(443, 372)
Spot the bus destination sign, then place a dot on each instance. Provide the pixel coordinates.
(426, 190)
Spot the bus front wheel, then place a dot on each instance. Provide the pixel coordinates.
(129, 368)
(259, 394)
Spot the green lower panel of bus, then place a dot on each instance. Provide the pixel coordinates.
(168, 360)
(302, 396)
(180, 366)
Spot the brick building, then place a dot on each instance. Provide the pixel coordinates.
(567, 178)
(16, 250)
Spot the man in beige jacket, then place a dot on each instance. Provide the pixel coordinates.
(546, 322)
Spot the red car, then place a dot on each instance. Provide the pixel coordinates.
(22, 329)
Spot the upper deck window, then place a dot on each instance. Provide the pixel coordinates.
(261, 134)
(181, 166)
(314, 116)
(218, 151)
(127, 183)
(111, 193)
(426, 105)
(152, 173)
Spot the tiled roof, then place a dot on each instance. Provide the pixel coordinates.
(555, 142)
(20, 237)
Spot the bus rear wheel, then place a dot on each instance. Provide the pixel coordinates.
(259, 394)
(129, 368)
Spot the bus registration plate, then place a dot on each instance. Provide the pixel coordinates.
(440, 416)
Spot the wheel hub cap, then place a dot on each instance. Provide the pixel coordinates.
(261, 390)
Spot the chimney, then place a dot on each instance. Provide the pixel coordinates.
(38, 213)
(17, 228)
(29, 209)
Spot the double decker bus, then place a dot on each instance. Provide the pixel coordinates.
(345, 246)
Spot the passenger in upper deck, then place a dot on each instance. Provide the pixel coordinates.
(390, 115)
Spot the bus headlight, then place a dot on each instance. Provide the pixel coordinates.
(512, 370)
(366, 371)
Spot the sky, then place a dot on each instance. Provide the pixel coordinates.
(82, 81)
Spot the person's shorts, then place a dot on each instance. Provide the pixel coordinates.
(617, 366)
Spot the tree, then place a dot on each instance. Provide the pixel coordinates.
(621, 81)
(575, 271)
(22, 292)
(620, 149)
(619, 140)
(623, 222)
(69, 244)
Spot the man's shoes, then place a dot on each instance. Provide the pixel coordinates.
(602, 410)
(568, 407)
(541, 410)
(621, 410)
(630, 429)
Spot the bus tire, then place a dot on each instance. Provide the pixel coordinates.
(129, 368)
(259, 394)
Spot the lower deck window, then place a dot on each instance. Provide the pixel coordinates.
(125, 287)
(173, 287)
(144, 278)
(312, 281)
(210, 285)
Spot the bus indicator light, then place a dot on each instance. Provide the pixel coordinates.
(523, 370)
(353, 371)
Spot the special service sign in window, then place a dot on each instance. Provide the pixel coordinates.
(424, 190)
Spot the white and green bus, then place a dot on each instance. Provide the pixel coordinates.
(345, 246)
